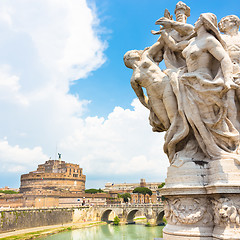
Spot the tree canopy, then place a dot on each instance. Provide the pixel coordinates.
(116, 221)
(126, 196)
(8, 192)
(161, 185)
(93, 190)
(143, 190)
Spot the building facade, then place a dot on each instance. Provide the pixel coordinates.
(122, 188)
(54, 177)
(129, 187)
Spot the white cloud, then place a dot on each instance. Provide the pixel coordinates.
(5, 14)
(9, 87)
(121, 145)
(16, 159)
(45, 45)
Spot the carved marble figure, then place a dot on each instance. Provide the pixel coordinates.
(161, 100)
(229, 25)
(203, 85)
(196, 101)
(178, 30)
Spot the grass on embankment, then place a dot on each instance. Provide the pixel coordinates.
(34, 235)
(31, 235)
(46, 232)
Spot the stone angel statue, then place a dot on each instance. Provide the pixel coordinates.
(192, 98)
(196, 101)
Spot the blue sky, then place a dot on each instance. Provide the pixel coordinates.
(64, 87)
(128, 25)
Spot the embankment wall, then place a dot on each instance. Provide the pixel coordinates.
(15, 219)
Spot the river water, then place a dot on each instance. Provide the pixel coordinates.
(110, 232)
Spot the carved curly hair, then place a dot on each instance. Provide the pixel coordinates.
(231, 18)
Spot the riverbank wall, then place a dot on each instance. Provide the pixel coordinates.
(16, 219)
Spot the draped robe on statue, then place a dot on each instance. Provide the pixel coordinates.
(201, 127)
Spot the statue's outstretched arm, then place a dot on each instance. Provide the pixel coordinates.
(155, 48)
(172, 44)
(140, 94)
(183, 28)
(154, 53)
(218, 52)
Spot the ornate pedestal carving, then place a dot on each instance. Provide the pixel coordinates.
(188, 217)
(187, 209)
(203, 204)
(226, 216)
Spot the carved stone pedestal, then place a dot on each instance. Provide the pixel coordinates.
(224, 190)
(187, 209)
(201, 207)
(188, 218)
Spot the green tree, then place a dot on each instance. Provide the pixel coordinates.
(93, 190)
(143, 190)
(116, 221)
(8, 192)
(161, 185)
(126, 196)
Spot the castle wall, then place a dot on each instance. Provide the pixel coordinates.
(48, 201)
(51, 182)
(12, 200)
(54, 200)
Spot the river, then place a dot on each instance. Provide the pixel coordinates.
(110, 232)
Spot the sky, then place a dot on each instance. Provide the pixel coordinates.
(64, 87)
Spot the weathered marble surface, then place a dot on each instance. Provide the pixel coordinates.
(196, 101)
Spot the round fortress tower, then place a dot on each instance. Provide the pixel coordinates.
(54, 176)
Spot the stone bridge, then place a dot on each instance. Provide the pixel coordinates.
(153, 212)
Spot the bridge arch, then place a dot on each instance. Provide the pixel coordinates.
(105, 215)
(126, 212)
(159, 220)
(131, 215)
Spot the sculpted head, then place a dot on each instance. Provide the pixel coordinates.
(209, 21)
(131, 57)
(182, 12)
(227, 211)
(229, 23)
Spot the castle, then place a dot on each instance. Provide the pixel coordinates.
(54, 184)
(54, 177)
(57, 183)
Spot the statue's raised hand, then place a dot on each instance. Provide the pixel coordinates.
(165, 22)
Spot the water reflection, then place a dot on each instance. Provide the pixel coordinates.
(109, 232)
